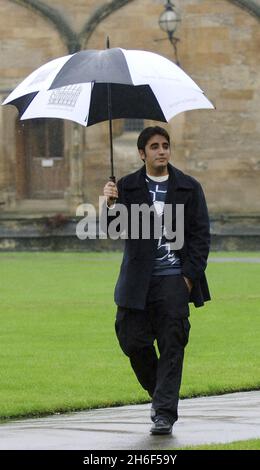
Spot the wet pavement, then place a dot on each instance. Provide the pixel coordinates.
(218, 419)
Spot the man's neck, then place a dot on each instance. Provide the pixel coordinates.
(158, 179)
(158, 172)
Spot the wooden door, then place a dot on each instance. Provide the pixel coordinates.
(46, 169)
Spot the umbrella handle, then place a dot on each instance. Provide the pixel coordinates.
(113, 179)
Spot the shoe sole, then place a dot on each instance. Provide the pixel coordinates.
(160, 433)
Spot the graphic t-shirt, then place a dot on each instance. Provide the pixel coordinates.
(167, 261)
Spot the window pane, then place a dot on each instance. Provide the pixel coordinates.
(55, 133)
(35, 138)
(133, 125)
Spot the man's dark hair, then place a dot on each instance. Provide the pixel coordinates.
(149, 132)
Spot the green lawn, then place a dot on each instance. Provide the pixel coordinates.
(58, 349)
(252, 444)
(235, 254)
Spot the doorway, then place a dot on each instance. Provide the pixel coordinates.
(40, 151)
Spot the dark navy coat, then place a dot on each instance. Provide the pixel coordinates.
(139, 254)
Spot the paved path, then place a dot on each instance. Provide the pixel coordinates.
(224, 418)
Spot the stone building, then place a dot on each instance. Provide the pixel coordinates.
(50, 166)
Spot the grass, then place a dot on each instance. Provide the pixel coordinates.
(58, 350)
(234, 254)
(251, 444)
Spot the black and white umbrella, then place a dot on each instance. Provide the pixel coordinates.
(97, 85)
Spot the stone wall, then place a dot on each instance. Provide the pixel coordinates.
(219, 47)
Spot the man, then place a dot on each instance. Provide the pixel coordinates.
(156, 283)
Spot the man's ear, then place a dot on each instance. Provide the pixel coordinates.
(142, 154)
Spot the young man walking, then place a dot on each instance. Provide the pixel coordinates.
(156, 283)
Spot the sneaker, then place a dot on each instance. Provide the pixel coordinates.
(161, 425)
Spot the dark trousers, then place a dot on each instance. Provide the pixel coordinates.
(164, 319)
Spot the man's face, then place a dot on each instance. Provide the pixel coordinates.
(156, 155)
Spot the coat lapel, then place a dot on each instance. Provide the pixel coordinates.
(137, 188)
(179, 185)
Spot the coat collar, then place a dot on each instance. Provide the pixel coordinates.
(177, 179)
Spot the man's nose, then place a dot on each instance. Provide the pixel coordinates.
(161, 150)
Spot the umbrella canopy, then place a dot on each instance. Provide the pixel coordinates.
(96, 85)
(143, 85)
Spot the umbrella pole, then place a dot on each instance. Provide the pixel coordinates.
(112, 177)
(109, 103)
